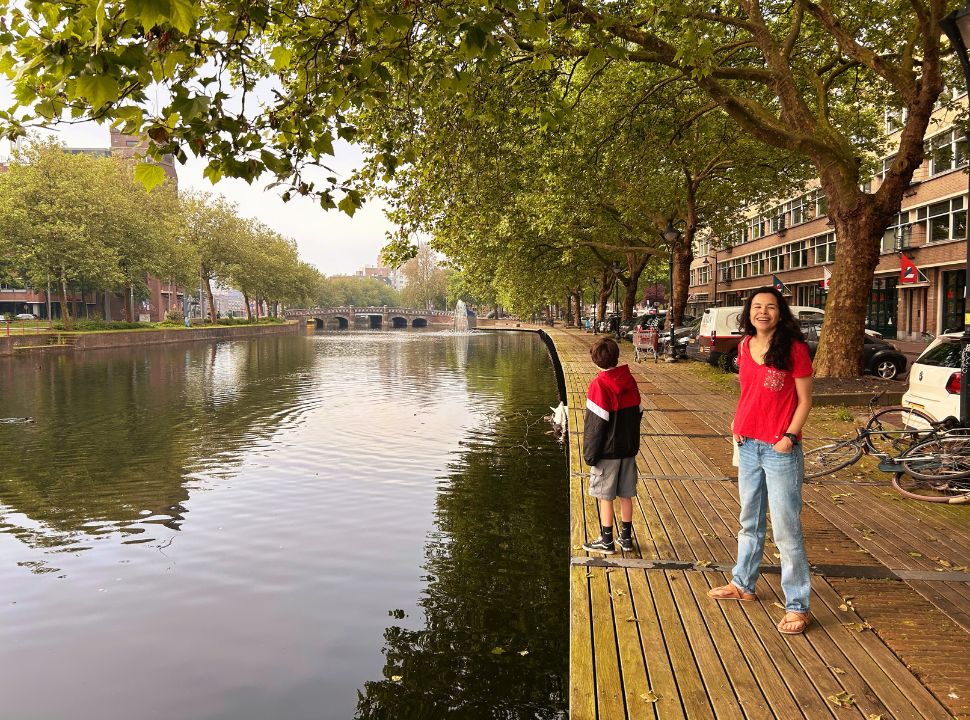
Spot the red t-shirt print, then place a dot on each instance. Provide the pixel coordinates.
(768, 398)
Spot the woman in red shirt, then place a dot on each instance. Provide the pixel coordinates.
(775, 370)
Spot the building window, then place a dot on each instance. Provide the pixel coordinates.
(945, 220)
(899, 234)
(947, 152)
(811, 295)
(778, 219)
(954, 283)
(703, 274)
(776, 259)
(824, 246)
(797, 254)
(702, 247)
(886, 164)
(895, 119)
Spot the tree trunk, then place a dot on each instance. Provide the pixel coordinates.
(249, 310)
(65, 308)
(636, 263)
(859, 232)
(579, 306)
(212, 305)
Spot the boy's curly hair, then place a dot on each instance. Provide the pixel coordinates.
(605, 353)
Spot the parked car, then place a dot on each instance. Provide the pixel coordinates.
(24, 316)
(934, 379)
(608, 324)
(657, 320)
(879, 357)
(684, 337)
(719, 335)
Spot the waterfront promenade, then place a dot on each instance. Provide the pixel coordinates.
(891, 588)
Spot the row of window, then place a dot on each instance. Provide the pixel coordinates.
(939, 222)
(947, 151)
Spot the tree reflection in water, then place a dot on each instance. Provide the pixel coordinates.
(495, 638)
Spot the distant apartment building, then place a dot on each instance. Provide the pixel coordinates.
(162, 296)
(392, 276)
(795, 241)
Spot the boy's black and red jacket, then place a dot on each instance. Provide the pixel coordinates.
(612, 426)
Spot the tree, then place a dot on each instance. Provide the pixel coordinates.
(341, 291)
(53, 216)
(427, 281)
(809, 77)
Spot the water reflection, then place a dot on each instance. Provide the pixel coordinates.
(222, 531)
(116, 435)
(493, 607)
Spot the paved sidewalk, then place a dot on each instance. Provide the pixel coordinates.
(891, 588)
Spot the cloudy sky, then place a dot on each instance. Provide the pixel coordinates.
(335, 243)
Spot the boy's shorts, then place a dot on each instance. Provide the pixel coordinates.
(611, 478)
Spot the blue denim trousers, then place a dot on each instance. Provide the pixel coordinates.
(770, 480)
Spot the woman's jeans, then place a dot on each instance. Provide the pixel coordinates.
(768, 479)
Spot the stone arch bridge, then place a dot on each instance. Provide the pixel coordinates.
(373, 318)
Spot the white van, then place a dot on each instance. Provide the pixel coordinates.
(718, 335)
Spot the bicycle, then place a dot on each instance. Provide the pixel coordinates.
(936, 470)
(888, 434)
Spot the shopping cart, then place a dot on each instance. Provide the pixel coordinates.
(645, 342)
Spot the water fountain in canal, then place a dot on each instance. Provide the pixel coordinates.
(460, 324)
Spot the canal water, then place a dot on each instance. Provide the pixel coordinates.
(356, 525)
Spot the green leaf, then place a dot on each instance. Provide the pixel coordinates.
(148, 12)
(347, 205)
(182, 14)
(281, 57)
(97, 89)
(149, 175)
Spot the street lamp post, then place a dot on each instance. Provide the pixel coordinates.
(616, 295)
(593, 282)
(671, 235)
(956, 25)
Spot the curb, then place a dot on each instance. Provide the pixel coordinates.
(892, 397)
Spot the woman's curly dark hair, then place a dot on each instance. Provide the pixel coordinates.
(786, 332)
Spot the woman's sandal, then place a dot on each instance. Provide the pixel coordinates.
(796, 622)
(731, 592)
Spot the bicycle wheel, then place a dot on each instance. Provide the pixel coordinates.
(892, 430)
(935, 491)
(827, 459)
(938, 459)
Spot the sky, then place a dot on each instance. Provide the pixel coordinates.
(335, 243)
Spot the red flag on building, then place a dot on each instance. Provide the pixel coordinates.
(908, 272)
(826, 278)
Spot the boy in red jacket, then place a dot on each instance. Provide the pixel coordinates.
(611, 441)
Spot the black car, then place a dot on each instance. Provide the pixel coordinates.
(655, 320)
(879, 358)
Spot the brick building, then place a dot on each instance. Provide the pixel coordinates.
(794, 241)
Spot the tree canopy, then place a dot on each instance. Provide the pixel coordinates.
(272, 87)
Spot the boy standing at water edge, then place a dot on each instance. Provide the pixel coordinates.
(611, 441)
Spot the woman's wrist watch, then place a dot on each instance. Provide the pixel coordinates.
(791, 436)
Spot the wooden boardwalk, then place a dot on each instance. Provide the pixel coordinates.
(891, 599)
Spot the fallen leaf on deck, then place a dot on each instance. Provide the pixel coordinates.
(497, 651)
(844, 608)
(915, 554)
(836, 670)
(778, 605)
(777, 555)
(858, 627)
(843, 699)
(703, 563)
(650, 697)
(633, 618)
(953, 696)
(523, 653)
(873, 717)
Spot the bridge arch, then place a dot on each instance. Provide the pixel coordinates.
(419, 323)
(398, 322)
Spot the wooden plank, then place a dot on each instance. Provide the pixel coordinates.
(606, 665)
(660, 672)
(582, 696)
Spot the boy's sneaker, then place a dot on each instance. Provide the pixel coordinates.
(625, 543)
(598, 546)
